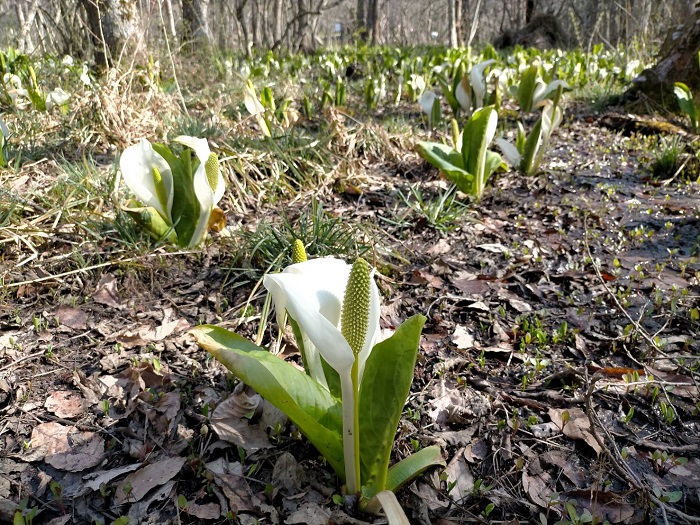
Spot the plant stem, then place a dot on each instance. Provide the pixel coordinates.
(355, 375)
(352, 473)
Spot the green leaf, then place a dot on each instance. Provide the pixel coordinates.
(386, 382)
(149, 219)
(448, 161)
(448, 92)
(37, 99)
(686, 102)
(476, 137)
(532, 145)
(493, 162)
(414, 465)
(307, 404)
(185, 210)
(526, 89)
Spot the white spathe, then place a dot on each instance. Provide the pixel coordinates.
(478, 82)
(136, 164)
(312, 293)
(57, 97)
(427, 101)
(510, 152)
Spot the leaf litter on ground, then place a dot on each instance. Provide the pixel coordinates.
(110, 399)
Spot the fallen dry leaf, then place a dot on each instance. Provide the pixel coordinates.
(230, 424)
(287, 473)
(309, 514)
(454, 405)
(577, 427)
(606, 506)
(95, 479)
(139, 483)
(237, 492)
(65, 404)
(539, 487)
(139, 510)
(421, 277)
(459, 477)
(207, 511)
(65, 448)
(72, 317)
(461, 338)
(106, 292)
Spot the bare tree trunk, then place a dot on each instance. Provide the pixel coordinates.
(360, 21)
(373, 20)
(278, 21)
(195, 21)
(168, 6)
(25, 38)
(112, 23)
(255, 23)
(452, 22)
(458, 22)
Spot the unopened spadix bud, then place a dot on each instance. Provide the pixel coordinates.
(161, 192)
(354, 321)
(298, 252)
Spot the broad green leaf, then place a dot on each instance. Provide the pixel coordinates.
(526, 89)
(448, 93)
(493, 162)
(476, 137)
(448, 161)
(386, 382)
(307, 404)
(414, 465)
(185, 210)
(37, 99)
(686, 102)
(530, 149)
(521, 138)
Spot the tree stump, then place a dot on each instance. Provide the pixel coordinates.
(677, 61)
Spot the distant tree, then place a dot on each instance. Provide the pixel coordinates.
(112, 23)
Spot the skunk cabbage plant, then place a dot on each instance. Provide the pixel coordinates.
(470, 166)
(532, 89)
(177, 194)
(349, 399)
(527, 153)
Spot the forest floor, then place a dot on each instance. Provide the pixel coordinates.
(558, 369)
